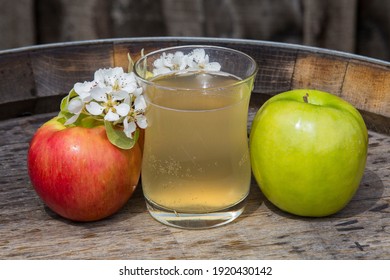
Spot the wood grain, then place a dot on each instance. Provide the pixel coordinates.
(17, 23)
(29, 230)
(328, 23)
(33, 75)
(17, 80)
(57, 69)
(356, 26)
(319, 72)
(367, 87)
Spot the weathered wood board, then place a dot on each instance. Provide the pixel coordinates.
(29, 230)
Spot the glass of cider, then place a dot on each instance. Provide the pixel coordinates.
(196, 169)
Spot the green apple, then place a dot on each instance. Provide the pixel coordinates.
(308, 151)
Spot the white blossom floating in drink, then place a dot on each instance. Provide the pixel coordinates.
(180, 62)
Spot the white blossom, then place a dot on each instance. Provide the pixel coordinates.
(117, 97)
(94, 108)
(139, 103)
(130, 124)
(161, 70)
(136, 115)
(212, 66)
(111, 116)
(198, 59)
(198, 56)
(138, 91)
(113, 96)
(122, 109)
(84, 90)
(129, 127)
(195, 60)
(75, 107)
(169, 62)
(141, 121)
(107, 77)
(99, 94)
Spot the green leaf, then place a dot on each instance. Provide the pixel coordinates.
(64, 103)
(66, 99)
(118, 137)
(63, 116)
(87, 121)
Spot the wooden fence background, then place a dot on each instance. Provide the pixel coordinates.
(355, 26)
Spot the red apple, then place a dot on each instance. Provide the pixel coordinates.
(79, 174)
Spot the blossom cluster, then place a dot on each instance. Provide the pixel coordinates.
(194, 61)
(116, 99)
(113, 96)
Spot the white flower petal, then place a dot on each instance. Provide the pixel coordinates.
(94, 108)
(110, 81)
(83, 90)
(109, 72)
(75, 105)
(178, 55)
(111, 116)
(116, 71)
(198, 55)
(139, 103)
(130, 87)
(132, 76)
(138, 91)
(127, 82)
(122, 109)
(128, 128)
(206, 59)
(99, 94)
(72, 119)
(161, 71)
(158, 63)
(127, 100)
(86, 98)
(167, 60)
(99, 77)
(179, 61)
(212, 66)
(107, 77)
(196, 60)
(141, 121)
(119, 95)
(83, 87)
(127, 78)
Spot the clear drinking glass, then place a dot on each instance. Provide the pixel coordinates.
(196, 167)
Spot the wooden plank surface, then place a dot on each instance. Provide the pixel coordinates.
(29, 230)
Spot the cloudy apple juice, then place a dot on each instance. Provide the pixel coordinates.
(196, 157)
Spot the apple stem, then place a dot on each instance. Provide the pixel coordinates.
(306, 98)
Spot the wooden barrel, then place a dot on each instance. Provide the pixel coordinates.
(33, 79)
(32, 82)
